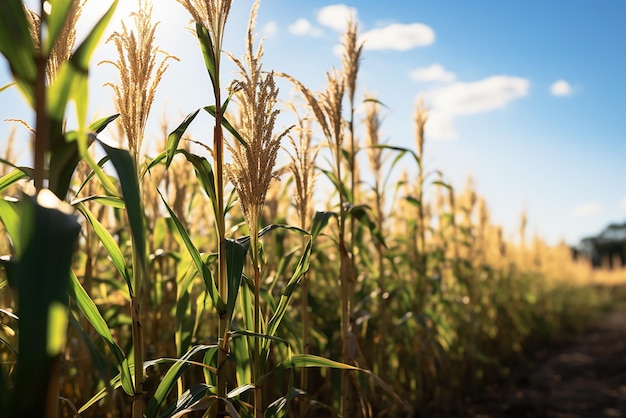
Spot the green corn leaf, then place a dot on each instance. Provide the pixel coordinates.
(109, 244)
(311, 360)
(185, 322)
(201, 267)
(64, 159)
(112, 190)
(442, 184)
(188, 399)
(49, 231)
(71, 82)
(170, 379)
(113, 384)
(125, 167)
(226, 124)
(260, 336)
(320, 220)
(413, 201)
(339, 185)
(111, 201)
(402, 151)
(12, 216)
(16, 44)
(71, 79)
(14, 176)
(361, 213)
(204, 174)
(174, 138)
(91, 312)
(235, 260)
(208, 53)
(55, 21)
(280, 407)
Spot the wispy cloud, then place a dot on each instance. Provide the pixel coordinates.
(622, 203)
(336, 16)
(270, 29)
(434, 72)
(466, 98)
(399, 37)
(561, 88)
(586, 209)
(303, 27)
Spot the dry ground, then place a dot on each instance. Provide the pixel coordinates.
(585, 378)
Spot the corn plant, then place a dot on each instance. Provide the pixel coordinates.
(155, 304)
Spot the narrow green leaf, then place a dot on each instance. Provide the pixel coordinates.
(340, 186)
(208, 53)
(188, 399)
(403, 151)
(16, 44)
(226, 124)
(174, 138)
(65, 158)
(320, 220)
(201, 267)
(442, 184)
(12, 216)
(260, 336)
(91, 312)
(125, 167)
(361, 213)
(109, 244)
(294, 281)
(14, 176)
(413, 201)
(55, 21)
(169, 380)
(235, 259)
(68, 80)
(311, 360)
(111, 201)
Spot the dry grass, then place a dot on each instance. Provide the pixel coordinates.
(252, 168)
(140, 73)
(64, 45)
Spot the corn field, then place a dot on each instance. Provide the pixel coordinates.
(293, 270)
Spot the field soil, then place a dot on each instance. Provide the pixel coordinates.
(583, 377)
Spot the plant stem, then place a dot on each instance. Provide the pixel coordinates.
(137, 330)
(218, 156)
(344, 277)
(304, 376)
(256, 369)
(41, 127)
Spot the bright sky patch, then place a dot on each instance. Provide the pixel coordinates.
(399, 37)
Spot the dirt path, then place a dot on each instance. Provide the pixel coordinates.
(586, 379)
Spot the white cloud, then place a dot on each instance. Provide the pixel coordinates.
(466, 98)
(622, 203)
(586, 209)
(399, 37)
(440, 125)
(435, 72)
(561, 88)
(270, 29)
(303, 27)
(336, 16)
(463, 98)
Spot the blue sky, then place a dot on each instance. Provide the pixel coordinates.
(527, 97)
